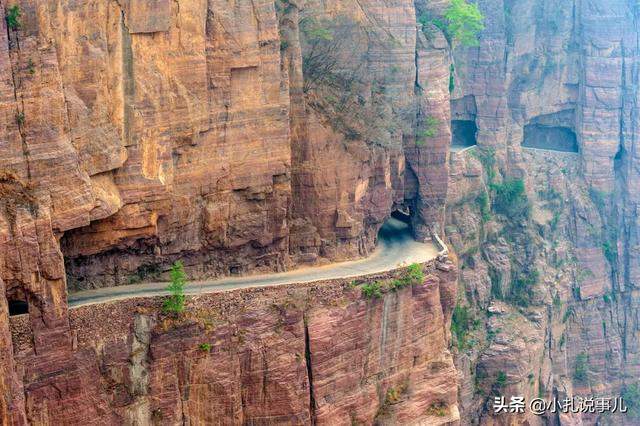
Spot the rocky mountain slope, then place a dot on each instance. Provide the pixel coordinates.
(262, 135)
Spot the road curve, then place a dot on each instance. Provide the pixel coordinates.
(395, 248)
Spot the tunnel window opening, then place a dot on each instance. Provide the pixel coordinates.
(18, 307)
(463, 134)
(550, 138)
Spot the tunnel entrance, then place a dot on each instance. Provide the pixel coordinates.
(463, 134)
(18, 307)
(554, 132)
(550, 138)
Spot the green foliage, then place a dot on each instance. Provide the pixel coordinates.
(461, 323)
(315, 31)
(429, 131)
(511, 199)
(31, 67)
(501, 379)
(20, 118)
(452, 78)
(631, 397)
(464, 22)
(553, 224)
(372, 290)
(205, 347)
(13, 17)
(487, 156)
(496, 287)
(438, 409)
(522, 287)
(461, 24)
(175, 302)
(557, 302)
(580, 372)
(610, 251)
(483, 205)
(415, 274)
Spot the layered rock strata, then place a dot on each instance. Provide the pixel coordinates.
(295, 354)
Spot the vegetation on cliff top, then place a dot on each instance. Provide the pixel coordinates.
(461, 23)
(413, 276)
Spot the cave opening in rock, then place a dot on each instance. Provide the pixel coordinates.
(552, 138)
(17, 306)
(463, 134)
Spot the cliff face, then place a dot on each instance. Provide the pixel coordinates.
(262, 135)
(549, 75)
(284, 355)
(157, 130)
(139, 132)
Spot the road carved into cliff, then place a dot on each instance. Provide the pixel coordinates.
(395, 248)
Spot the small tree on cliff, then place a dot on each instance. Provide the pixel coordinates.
(175, 302)
(464, 22)
(461, 23)
(13, 17)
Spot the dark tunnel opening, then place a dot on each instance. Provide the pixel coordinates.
(18, 307)
(463, 134)
(550, 138)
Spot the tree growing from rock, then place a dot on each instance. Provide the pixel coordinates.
(464, 22)
(13, 17)
(175, 302)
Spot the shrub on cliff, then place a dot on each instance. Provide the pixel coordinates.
(522, 286)
(461, 24)
(581, 368)
(415, 274)
(175, 301)
(460, 325)
(338, 84)
(372, 290)
(631, 397)
(13, 17)
(511, 199)
(464, 22)
(429, 131)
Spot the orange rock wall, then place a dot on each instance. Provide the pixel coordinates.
(139, 132)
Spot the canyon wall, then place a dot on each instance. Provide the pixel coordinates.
(295, 354)
(139, 132)
(555, 290)
(157, 130)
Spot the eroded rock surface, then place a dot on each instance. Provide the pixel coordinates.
(284, 355)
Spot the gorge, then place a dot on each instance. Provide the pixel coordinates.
(246, 137)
